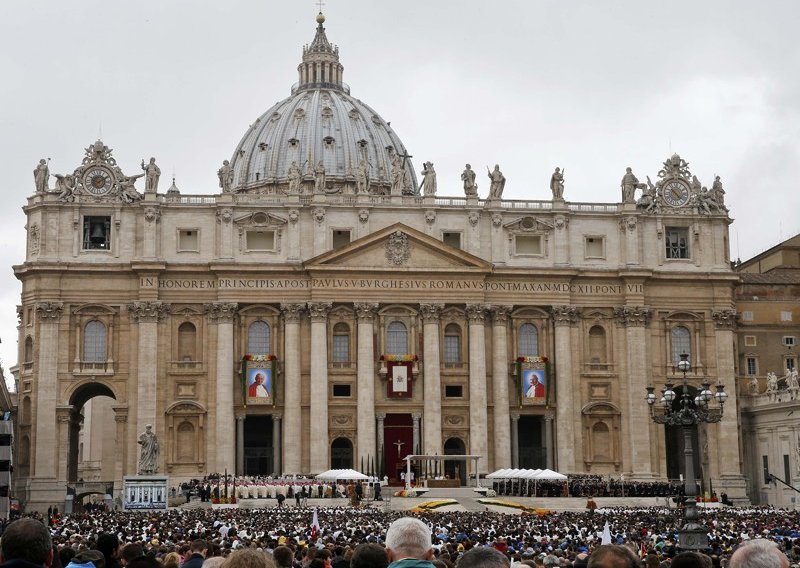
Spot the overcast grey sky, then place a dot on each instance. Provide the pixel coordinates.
(592, 87)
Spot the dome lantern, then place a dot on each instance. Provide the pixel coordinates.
(320, 67)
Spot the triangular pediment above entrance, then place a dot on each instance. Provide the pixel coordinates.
(399, 247)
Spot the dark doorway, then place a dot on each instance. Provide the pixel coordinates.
(341, 454)
(99, 421)
(455, 469)
(398, 436)
(258, 457)
(532, 453)
(674, 442)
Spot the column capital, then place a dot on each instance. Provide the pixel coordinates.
(240, 417)
(120, 414)
(277, 417)
(318, 311)
(365, 311)
(49, 311)
(549, 417)
(514, 416)
(416, 416)
(63, 414)
(292, 312)
(633, 316)
(724, 319)
(476, 313)
(430, 312)
(381, 416)
(148, 311)
(564, 315)
(500, 314)
(221, 312)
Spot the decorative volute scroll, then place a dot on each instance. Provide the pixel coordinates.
(500, 313)
(430, 312)
(148, 311)
(564, 315)
(365, 311)
(292, 312)
(633, 315)
(49, 310)
(476, 312)
(724, 319)
(318, 311)
(221, 312)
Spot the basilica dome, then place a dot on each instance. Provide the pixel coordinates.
(320, 122)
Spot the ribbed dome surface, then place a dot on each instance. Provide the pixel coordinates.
(320, 121)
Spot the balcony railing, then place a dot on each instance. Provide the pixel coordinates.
(93, 368)
(186, 366)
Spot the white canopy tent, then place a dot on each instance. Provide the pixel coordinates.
(341, 475)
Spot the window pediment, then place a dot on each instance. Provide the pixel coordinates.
(528, 224)
(260, 219)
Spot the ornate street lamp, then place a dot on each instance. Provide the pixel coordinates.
(691, 412)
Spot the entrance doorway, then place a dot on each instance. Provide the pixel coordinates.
(455, 469)
(532, 453)
(398, 436)
(92, 452)
(341, 454)
(674, 442)
(258, 456)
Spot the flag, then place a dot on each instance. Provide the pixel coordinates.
(606, 538)
(315, 530)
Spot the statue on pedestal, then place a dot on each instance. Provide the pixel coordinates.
(362, 177)
(428, 184)
(468, 177)
(319, 178)
(498, 182)
(630, 183)
(295, 177)
(149, 453)
(557, 185)
(41, 175)
(225, 175)
(152, 172)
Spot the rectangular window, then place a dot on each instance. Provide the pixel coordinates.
(750, 340)
(677, 242)
(452, 239)
(260, 240)
(790, 363)
(341, 348)
(452, 349)
(787, 472)
(747, 315)
(188, 240)
(341, 238)
(341, 390)
(786, 316)
(96, 233)
(528, 245)
(765, 467)
(752, 368)
(789, 341)
(453, 391)
(595, 247)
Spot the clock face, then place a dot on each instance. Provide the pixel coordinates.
(676, 193)
(98, 181)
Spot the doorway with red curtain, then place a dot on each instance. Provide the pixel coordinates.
(398, 440)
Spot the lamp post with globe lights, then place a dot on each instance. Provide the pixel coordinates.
(689, 413)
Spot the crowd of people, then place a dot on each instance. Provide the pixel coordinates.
(560, 539)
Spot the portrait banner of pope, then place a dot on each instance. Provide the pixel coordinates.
(259, 385)
(533, 383)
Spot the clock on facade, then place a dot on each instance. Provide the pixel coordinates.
(676, 193)
(98, 180)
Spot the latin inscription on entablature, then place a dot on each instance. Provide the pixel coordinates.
(364, 284)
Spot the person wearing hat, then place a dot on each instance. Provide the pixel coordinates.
(26, 543)
(88, 559)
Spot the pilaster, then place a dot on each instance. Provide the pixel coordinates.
(276, 444)
(500, 413)
(222, 315)
(478, 435)
(432, 421)
(728, 454)
(319, 443)
(564, 317)
(48, 315)
(365, 361)
(291, 387)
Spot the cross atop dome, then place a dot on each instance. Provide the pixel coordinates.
(320, 67)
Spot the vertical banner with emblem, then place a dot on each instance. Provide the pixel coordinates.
(534, 383)
(398, 379)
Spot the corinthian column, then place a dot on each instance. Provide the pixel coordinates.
(319, 445)
(637, 422)
(502, 431)
(564, 317)
(365, 435)
(48, 314)
(432, 411)
(147, 315)
(292, 443)
(222, 314)
(727, 443)
(478, 434)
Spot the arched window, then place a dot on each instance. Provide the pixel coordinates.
(258, 338)
(341, 453)
(27, 354)
(94, 342)
(187, 342)
(528, 340)
(397, 338)
(681, 343)
(452, 343)
(340, 352)
(185, 442)
(597, 344)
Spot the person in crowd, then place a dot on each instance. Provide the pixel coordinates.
(26, 543)
(758, 553)
(369, 555)
(483, 557)
(198, 551)
(408, 544)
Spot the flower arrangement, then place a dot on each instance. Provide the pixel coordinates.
(431, 505)
(399, 358)
(260, 358)
(223, 500)
(512, 505)
(410, 492)
(532, 359)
